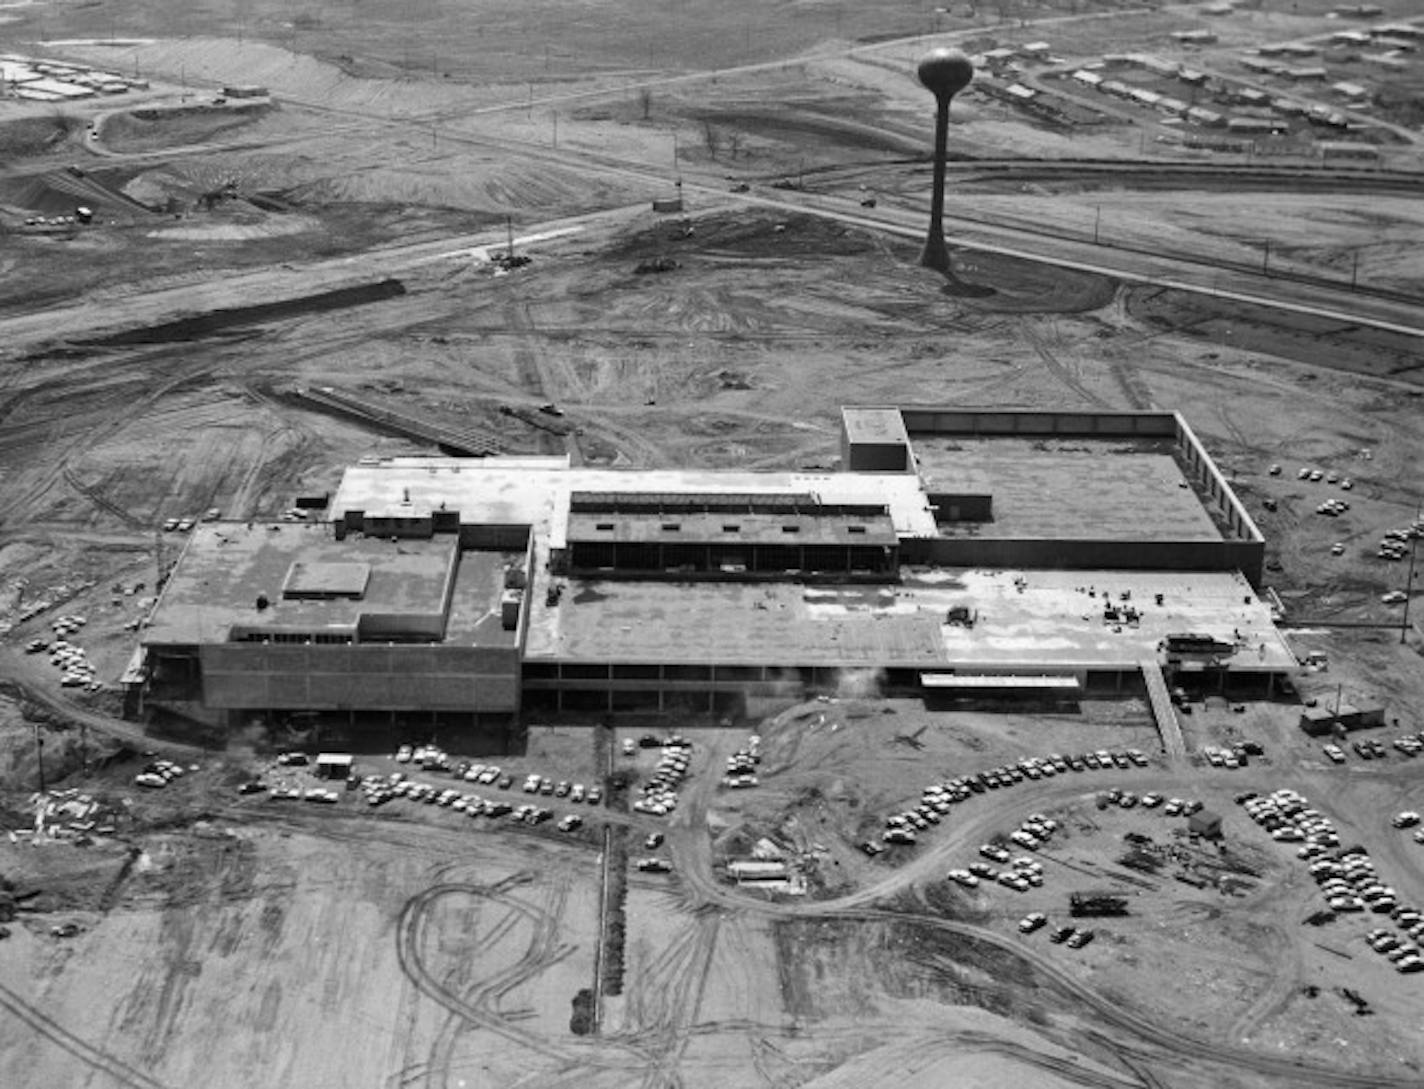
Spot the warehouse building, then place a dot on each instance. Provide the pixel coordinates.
(955, 553)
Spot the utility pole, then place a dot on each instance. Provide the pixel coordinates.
(39, 755)
(1408, 588)
(1266, 261)
(1097, 222)
(1355, 271)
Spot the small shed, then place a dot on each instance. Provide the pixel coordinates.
(333, 765)
(1205, 823)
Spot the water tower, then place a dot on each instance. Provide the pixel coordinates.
(945, 72)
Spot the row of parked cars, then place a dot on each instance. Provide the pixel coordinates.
(742, 765)
(158, 774)
(70, 658)
(1347, 878)
(433, 758)
(1287, 816)
(1315, 475)
(1371, 748)
(658, 795)
(1021, 873)
(1236, 756)
(1394, 545)
(1069, 935)
(1171, 807)
(378, 790)
(937, 798)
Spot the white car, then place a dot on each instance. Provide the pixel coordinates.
(1408, 819)
(1029, 923)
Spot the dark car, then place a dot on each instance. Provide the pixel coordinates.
(1062, 934)
(1080, 939)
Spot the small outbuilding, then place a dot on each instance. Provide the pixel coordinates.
(1205, 823)
(333, 765)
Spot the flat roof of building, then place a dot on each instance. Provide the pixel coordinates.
(697, 527)
(226, 566)
(1027, 622)
(536, 491)
(1030, 621)
(876, 425)
(1071, 488)
(755, 624)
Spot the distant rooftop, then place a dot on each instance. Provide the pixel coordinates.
(874, 425)
(1029, 622)
(537, 491)
(1069, 488)
(213, 593)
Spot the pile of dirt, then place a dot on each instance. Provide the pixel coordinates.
(32, 136)
(148, 130)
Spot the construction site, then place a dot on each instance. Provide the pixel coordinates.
(514, 569)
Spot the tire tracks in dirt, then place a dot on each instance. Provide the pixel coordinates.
(92, 1057)
(474, 1007)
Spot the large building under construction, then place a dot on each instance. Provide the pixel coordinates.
(956, 554)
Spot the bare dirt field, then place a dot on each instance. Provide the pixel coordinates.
(340, 236)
